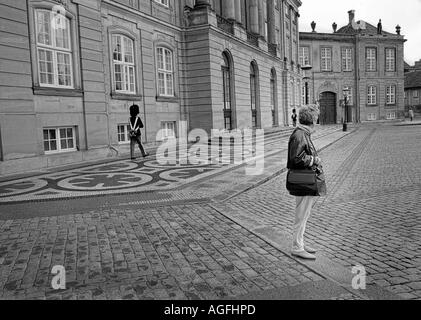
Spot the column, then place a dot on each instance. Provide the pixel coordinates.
(261, 12)
(271, 22)
(238, 11)
(254, 16)
(228, 9)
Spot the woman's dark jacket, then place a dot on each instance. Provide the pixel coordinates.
(301, 152)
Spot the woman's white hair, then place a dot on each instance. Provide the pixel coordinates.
(308, 114)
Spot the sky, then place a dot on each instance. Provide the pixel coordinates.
(406, 13)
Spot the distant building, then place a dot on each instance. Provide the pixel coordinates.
(413, 88)
(361, 59)
(70, 69)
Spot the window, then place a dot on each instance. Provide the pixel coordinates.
(59, 140)
(371, 59)
(326, 56)
(53, 49)
(391, 115)
(123, 133)
(165, 72)
(304, 56)
(253, 94)
(168, 130)
(415, 94)
(391, 95)
(123, 64)
(163, 2)
(390, 60)
(371, 117)
(273, 94)
(372, 95)
(346, 59)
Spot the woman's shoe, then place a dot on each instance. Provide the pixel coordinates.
(146, 155)
(310, 250)
(303, 255)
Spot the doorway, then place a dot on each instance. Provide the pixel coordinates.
(328, 108)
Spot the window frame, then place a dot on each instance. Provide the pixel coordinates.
(387, 58)
(374, 118)
(165, 72)
(328, 59)
(389, 117)
(390, 95)
(371, 95)
(368, 59)
(125, 132)
(303, 57)
(345, 59)
(122, 36)
(58, 140)
(165, 130)
(54, 50)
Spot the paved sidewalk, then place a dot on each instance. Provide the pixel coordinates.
(209, 240)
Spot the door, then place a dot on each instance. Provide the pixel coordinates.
(327, 108)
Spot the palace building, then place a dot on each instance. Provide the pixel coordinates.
(70, 70)
(355, 73)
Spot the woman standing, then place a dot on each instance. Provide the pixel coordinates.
(303, 158)
(135, 133)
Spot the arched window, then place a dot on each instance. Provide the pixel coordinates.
(227, 91)
(123, 64)
(165, 66)
(254, 93)
(53, 49)
(273, 96)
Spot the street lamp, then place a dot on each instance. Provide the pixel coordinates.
(346, 93)
(307, 93)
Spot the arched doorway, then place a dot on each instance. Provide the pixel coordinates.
(327, 108)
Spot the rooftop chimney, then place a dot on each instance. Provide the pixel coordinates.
(351, 16)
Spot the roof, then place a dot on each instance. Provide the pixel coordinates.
(407, 66)
(365, 27)
(413, 80)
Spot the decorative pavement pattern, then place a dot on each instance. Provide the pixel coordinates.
(154, 180)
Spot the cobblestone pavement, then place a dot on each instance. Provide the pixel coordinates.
(123, 250)
(372, 214)
(181, 252)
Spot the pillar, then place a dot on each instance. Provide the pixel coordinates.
(262, 20)
(228, 9)
(238, 11)
(271, 22)
(254, 16)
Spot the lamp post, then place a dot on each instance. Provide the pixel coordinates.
(346, 93)
(307, 68)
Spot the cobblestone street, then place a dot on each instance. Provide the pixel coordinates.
(196, 249)
(372, 215)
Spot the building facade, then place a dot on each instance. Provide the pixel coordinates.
(413, 88)
(70, 70)
(357, 72)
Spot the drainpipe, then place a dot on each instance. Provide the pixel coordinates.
(357, 81)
